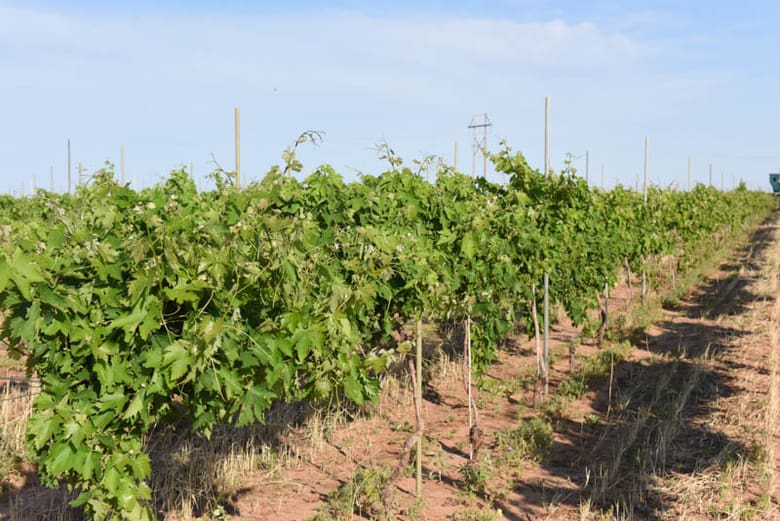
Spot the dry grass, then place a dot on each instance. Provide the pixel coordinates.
(23, 498)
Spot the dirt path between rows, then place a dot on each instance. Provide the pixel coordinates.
(692, 430)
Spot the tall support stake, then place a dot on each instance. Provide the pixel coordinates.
(546, 135)
(485, 124)
(455, 157)
(418, 392)
(474, 151)
(467, 354)
(644, 200)
(122, 165)
(644, 175)
(710, 174)
(51, 179)
(602, 176)
(587, 167)
(689, 173)
(68, 165)
(238, 147)
(546, 334)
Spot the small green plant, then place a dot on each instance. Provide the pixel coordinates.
(591, 421)
(573, 387)
(360, 495)
(529, 441)
(476, 474)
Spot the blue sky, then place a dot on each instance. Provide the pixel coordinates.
(697, 78)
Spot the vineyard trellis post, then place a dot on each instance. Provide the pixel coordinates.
(237, 116)
(69, 163)
(418, 393)
(587, 167)
(602, 176)
(546, 334)
(644, 175)
(689, 173)
(455, 157)
(644, 201)
(467, 355)
(546, 135)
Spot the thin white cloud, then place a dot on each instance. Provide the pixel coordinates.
(167, 80)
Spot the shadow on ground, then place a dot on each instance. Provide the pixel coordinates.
(656, 422)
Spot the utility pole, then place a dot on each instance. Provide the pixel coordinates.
(477, 145)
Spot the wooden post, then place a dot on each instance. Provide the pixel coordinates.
(122, 166)
(689, 173)
(602, 176)
(418, 391)
(546, 135)
(455, 162)
(644, 175)
(51, 179)
(485, 144)
(644, 200)
(69, 166)
(238, 147)
(587, 167)
(467, 354)
(546, 334)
